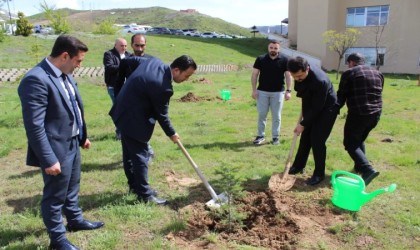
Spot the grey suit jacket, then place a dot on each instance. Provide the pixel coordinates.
(143, 100)
(47, 116)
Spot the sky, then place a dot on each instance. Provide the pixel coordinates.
(245, 13)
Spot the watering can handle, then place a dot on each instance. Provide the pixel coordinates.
(340, 172)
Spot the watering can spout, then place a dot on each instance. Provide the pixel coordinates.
(369, 196)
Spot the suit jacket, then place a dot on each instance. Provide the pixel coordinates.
(127, 66)
(145, 100)
(47, 115)
(112, 63)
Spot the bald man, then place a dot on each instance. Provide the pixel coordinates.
(112, 59)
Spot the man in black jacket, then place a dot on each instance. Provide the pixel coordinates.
(112, 60)
(318, 116)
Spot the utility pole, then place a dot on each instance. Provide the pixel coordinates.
(10, 16)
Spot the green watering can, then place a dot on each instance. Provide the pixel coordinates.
(349, 191)
(225, 94)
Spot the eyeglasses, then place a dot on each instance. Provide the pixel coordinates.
(139, 45)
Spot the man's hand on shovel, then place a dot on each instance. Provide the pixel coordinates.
(174, 138)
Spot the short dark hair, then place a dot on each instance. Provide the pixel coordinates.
(140, 35)
(69, 44)
(274, 41)
(357, 58)
(297, 64)
(183, 63)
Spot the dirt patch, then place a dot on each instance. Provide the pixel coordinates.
(176, 181)
(190, 97)
(202, 80)
(274, 220)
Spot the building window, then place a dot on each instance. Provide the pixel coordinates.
(370, 55)
(367, 16)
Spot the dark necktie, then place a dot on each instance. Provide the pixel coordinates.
(74, 105)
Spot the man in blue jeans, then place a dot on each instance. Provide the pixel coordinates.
(361, 89)
(111, 62)
(270, 70)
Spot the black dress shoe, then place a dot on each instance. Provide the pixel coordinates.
(85, 225)
(314, 180)
(369, 175)
(133, 191)
(62, 245)
(295, 170)
(155, 200)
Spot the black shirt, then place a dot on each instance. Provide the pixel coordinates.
(271, 78)
(317, 93)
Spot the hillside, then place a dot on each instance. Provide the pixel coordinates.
(154, 16)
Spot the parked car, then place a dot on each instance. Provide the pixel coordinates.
(41, 29)
(159, 30)
(176, 32)
(210, 35)
(133, 29)
(225, 36)
(191, 32)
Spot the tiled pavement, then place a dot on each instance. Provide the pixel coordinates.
(15, 74)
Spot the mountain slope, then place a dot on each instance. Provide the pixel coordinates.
(154, 16)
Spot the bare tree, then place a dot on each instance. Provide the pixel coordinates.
(340, 42)
(379, 30)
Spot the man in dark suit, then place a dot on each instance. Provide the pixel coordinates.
(127, 67)
(52, 111)
(143, 101)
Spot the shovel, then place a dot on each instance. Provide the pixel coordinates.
(284, 181)
(216, 200)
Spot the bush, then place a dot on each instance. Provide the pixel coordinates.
(24, 27)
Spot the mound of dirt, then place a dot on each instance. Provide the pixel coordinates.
(203, 81)
(190, 97)
(273, 220)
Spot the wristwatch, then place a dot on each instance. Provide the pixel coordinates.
(288, 91)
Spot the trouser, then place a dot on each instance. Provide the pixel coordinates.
(111, 94)
(314, 137)
(356, 130)
(135, 160)
(60, 194)
(266, 101)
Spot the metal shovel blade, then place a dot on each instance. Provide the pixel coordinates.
(221, 199)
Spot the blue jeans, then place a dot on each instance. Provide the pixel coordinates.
(111, 94)
(356, 130)
(265, 102)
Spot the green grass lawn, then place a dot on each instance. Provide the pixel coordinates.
(215, 133)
